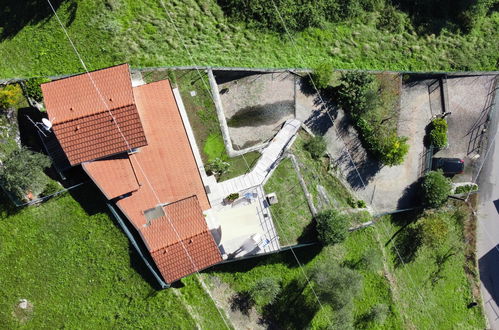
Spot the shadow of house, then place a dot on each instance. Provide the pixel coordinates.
(489, 268)
(15, 14)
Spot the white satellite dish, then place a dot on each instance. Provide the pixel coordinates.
(47, 124)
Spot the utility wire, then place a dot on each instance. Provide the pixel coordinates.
(136, 160)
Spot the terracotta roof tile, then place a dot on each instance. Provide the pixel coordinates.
(96, 136)
(77, 96)
(114, 175)
(185, 216)
(173, 263)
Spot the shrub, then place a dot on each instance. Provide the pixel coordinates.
(433, 229)
(335, 285)
(321, 75)
(22, 172)
(355, 93)
(10, 96)
(32, 87)
(393, 150)
(316, 146)
(217, 166)
(466, 189)
(265, 291)
(232, 197)
(438, 133)
(436, 188)
(361, 204)
(332, 226)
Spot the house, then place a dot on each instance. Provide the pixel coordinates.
(132, 143)
(137, 146)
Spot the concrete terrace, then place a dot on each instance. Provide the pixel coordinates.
(232, 224)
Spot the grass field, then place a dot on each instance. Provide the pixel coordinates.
(141, 33)
(78, 270)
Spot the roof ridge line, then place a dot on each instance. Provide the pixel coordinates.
(95, 114)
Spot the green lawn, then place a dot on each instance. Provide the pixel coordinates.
(239, 165)
(141, 33)
(291, 216)
(77, 268)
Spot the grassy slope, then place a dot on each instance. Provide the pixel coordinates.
(315, 172)
(439, 306)
(77, 272)
(291, 215)
(142, 34)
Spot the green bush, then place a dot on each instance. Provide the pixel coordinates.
(10, 96)
(393, 150)
(335, 285)
(22, 172)
(316, 146)
(32, 87)
(466, 189)
(361, 204)
(265, 291)
(217, 166)
(433, 229)
(332, 226)
(232, 197)
(436, 188)
(322, 75)
(438, 133)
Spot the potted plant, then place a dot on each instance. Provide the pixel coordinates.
(231, 198)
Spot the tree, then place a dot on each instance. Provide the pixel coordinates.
(332, 227)
(10, 95)
(355, 93)
(321, 76)
(438, 133)
(335, 285)
(217, 166)
(316, 146)
(436, 188)
(22, 172)
(265, 291)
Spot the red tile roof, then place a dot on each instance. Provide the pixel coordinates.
(120, 175)
(92, 113)
(172, 263)
(167, 165)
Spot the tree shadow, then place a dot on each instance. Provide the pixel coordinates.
(429, 16)
(15, 14)
(309, 233)
(406, 244)
(411, 196)
(291, 310)
(242, 302)
(360, 173)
